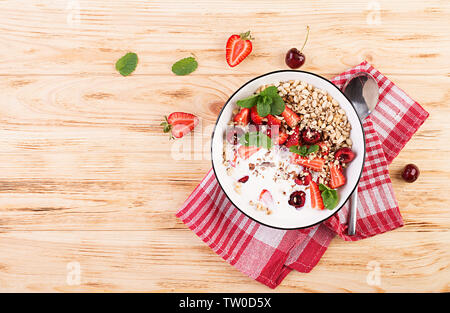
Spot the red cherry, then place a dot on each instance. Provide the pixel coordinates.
(297, 199)
(295, 58)
(307, 178)
(344, 155)
(410, 173)
(310, 136)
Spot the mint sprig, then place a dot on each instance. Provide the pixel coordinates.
(257, 139)
(304, 150)
(127, 64)
(185, 66)
(329, 196)
(267, 102)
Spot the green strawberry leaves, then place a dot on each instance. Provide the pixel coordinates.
(185, 66)
(127, 64)
(257, 139)
(267, 102)
(304, 150)
(329, 196)
(167, 127)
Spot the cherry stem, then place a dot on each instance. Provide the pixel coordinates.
(306, 39)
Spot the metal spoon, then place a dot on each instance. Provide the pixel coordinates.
(363, 92)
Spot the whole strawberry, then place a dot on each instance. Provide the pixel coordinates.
(238, 48)
(179, 124)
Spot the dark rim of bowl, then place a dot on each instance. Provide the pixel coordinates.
(214, 131)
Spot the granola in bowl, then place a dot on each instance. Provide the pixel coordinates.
(290, 142)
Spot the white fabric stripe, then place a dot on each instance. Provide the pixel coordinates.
(389, 195)
(270, 236)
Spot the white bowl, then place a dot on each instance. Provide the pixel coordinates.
(288, 218)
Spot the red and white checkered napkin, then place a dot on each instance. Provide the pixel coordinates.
(267, 254)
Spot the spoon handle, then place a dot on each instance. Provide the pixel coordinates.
(352, 216)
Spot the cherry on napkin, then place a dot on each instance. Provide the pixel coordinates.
(267, 254)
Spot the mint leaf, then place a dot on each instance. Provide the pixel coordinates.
(313, 148)
(304, 150)
(248, 102)
(277, 105)
(301, 150)
(185, 66)
(256, 139)
(127, 64)
(330, 198)
(270, 91)
(323, 187)
(263, 105)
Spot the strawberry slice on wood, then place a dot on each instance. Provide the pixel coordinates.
(316, 197)
(256, 118)
(315, 164)
(182, 118)
(238, 48)
(179, 124)
(246, 152)
(243, 117)
(290, 117)
(337, 177)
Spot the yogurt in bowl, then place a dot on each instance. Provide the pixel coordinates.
(293, 168)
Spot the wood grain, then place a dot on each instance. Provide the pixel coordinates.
(87, 175)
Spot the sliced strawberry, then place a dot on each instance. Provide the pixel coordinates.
(266, 197)
(293, 139)
(323, 147)
(315, 164)
(179, 130)
(278, 136)
(337, 177)
(290, 117)
(238, 48)
(282, 137)
(316, 198)
(246, 152)
(179, 124)
(255, 116)
(182, 118)
(242, 118)
(272, 120)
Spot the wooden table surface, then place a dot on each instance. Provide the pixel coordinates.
(89, 183)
